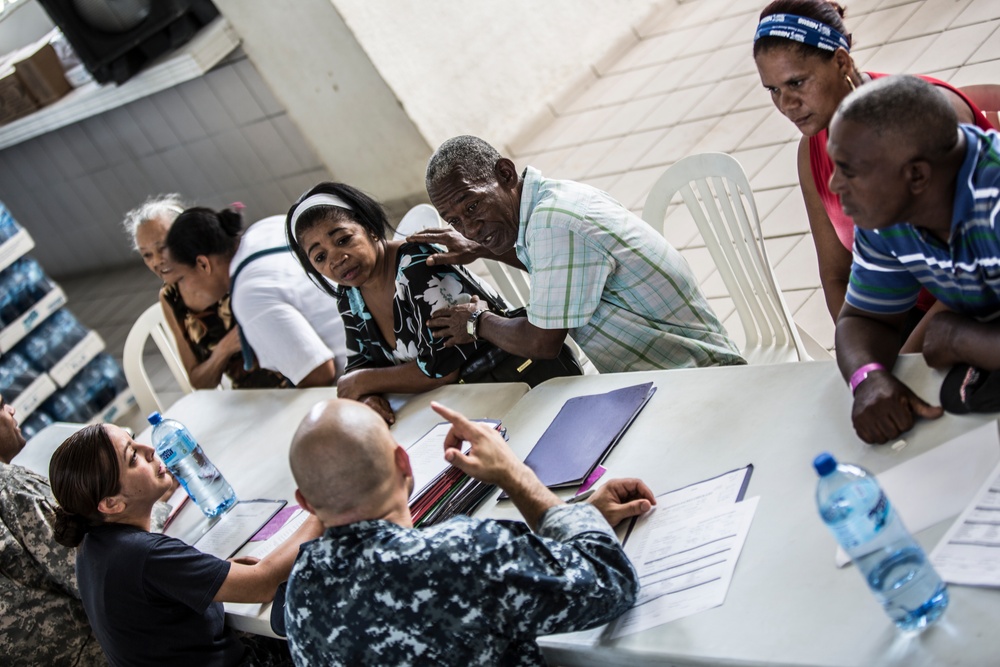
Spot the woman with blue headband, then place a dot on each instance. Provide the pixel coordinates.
(802, 51)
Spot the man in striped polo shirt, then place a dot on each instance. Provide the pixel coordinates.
(597, 270)
(924, 197)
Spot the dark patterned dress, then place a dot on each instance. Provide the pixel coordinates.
(420, 290)
(203, 331)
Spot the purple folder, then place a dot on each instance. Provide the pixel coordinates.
(583, 433)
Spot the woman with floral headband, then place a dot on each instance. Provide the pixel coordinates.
(802, 52)
(386, 292)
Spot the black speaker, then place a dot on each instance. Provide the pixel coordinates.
(117, 38)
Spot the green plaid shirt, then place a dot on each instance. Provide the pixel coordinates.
(628, 297)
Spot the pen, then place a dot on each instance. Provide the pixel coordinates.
(581, 497)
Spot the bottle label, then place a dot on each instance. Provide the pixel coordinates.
(859, 528)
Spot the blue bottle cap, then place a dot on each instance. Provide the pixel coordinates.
(154, 418)
(825, 464)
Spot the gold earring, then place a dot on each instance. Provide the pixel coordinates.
(850, 82)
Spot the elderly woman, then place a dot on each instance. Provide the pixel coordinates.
(152, 599)
(802, 52)
(386, 292)
(208, 340)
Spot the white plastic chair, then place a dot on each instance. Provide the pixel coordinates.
(421, 216)
(717, 193)
(151, 324)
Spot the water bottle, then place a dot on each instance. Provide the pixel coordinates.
(187, 462)
(857, 512)
(35, 422)
(8, 226)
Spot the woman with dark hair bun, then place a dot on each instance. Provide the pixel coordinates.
(208, 340)
(288, 325)
(386, 292)
(802, 50)
(152, 599)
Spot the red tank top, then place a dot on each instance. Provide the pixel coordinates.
(822, 169)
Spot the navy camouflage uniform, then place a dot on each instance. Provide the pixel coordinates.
(42, 621)
(465, 592)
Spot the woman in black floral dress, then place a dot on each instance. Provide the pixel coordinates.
(386, 292)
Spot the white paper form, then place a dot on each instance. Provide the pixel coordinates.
(939, 483)
(237, 526)
(685, 562)
(427, 455)
(970, 551)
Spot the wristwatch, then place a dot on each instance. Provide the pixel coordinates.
(472, 326)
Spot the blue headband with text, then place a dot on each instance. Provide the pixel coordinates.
(803, 30)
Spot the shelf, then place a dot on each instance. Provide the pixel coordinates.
(33, 395)
(213, 43)
(81, 354)
(19, 328)
(121, 403)
(15, 247)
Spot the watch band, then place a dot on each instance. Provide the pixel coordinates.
(472, 326)
(860, 375)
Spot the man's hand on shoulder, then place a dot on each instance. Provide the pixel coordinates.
(460, 250)
(884, 408)
(620, 499)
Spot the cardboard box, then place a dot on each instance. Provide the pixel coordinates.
(15, 101)
(41, 73)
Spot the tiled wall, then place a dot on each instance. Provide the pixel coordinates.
(217, 139)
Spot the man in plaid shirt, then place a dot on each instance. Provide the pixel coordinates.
(597, 270)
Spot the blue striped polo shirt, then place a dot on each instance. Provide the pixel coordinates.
(891, 264)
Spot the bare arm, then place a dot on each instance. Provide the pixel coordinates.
(952, 339)
(207, 374)
(257, 582)
(404, 379)
(915, 342)
(324, 375)
(833, 258)
(883, 407)
(512, 334)
(460, 250)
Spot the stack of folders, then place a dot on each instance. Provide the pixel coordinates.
(584, 432)
(441, 491)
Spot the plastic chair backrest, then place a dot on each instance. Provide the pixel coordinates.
(421, 216)
(151, 324)
(717, 193)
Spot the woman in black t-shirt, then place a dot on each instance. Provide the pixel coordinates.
(152, 599)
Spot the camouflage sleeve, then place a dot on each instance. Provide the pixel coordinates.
(572, 575)
(29, 513)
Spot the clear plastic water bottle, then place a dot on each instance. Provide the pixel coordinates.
(859, 515)
(8, 226)
(186, 461)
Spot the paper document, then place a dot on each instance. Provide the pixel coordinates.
(685, 562)
(237, 526)
(427, 455)
(939, 483)
(970, 551)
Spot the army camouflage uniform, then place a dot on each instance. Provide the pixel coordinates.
(465, 592)
(42, 621)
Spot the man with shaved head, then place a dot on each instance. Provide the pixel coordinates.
(373, 590)
(924, 194)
